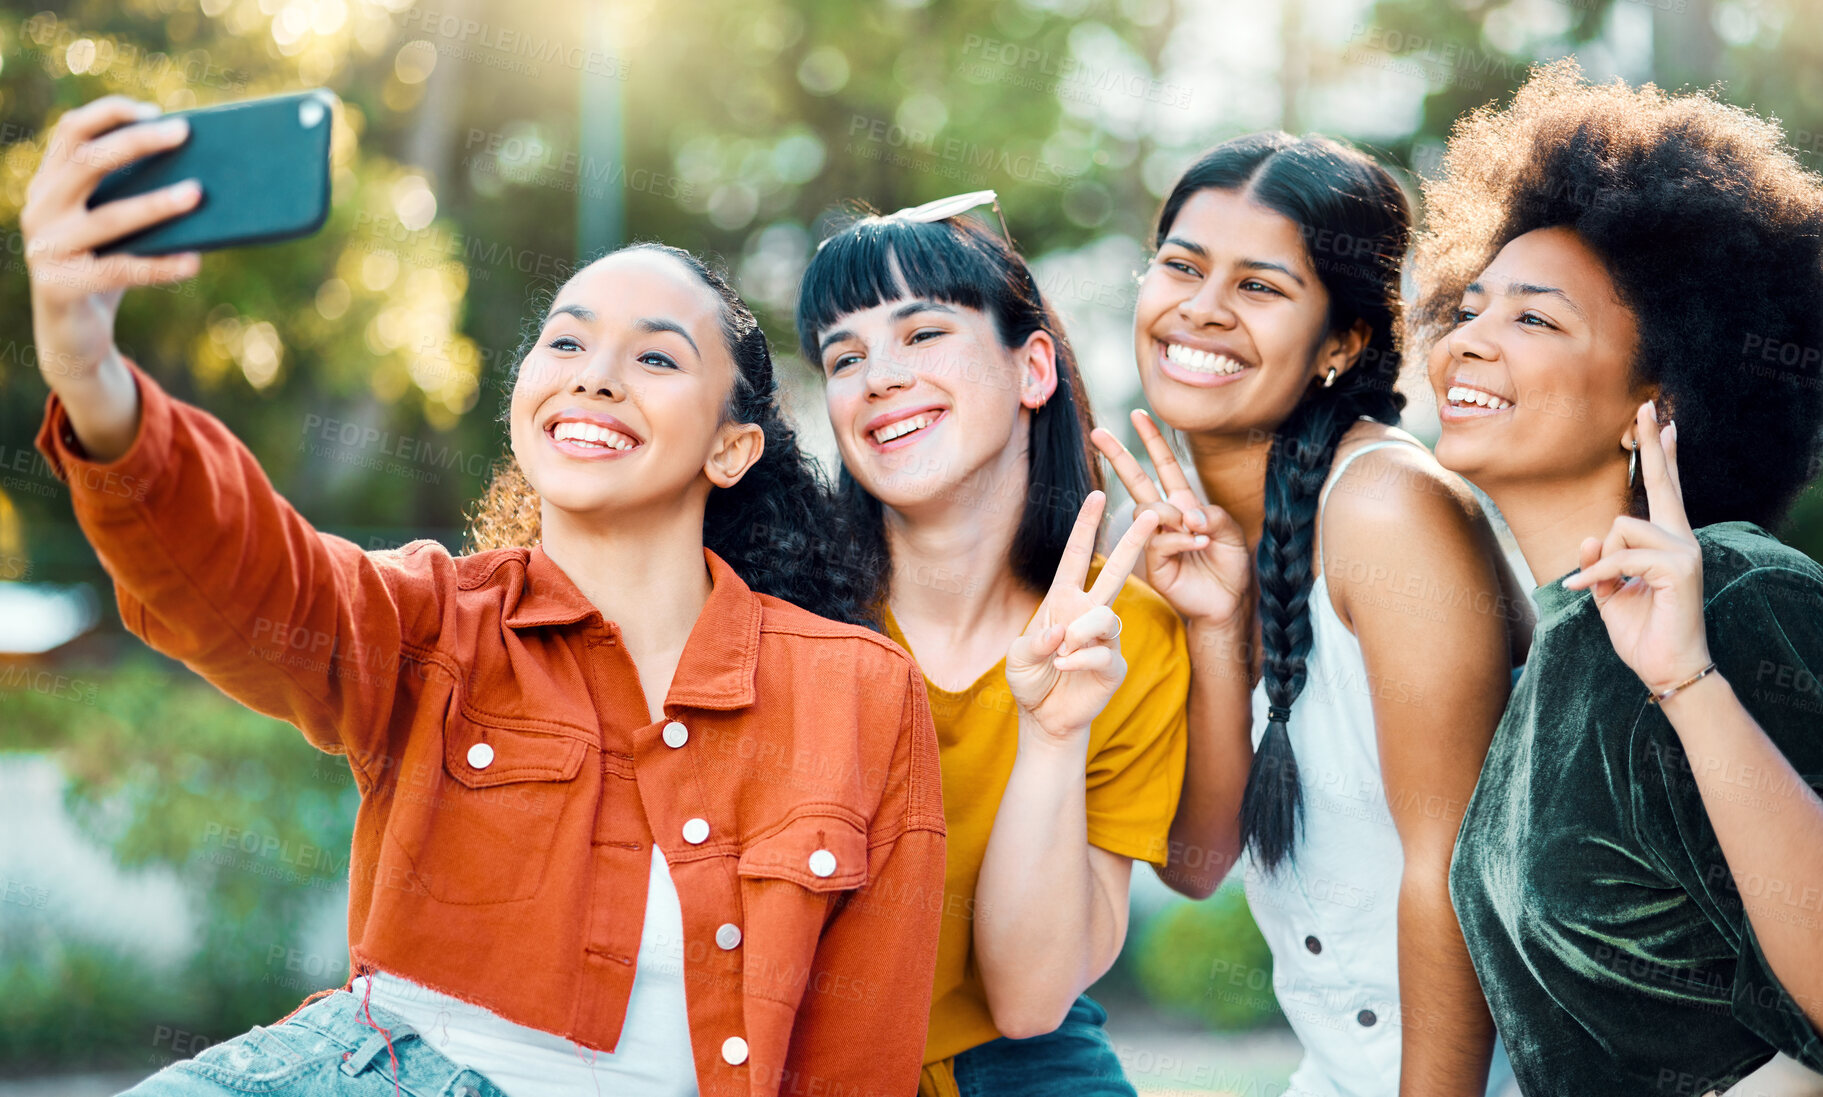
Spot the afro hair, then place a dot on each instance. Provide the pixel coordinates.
(1713, 234)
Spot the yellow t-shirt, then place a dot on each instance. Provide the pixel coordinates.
(1134, 775)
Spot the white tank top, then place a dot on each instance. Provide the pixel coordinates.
(652, 1059)
(1330, 913)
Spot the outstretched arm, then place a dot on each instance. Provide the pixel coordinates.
(210, 564)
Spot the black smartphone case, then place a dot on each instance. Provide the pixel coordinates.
(264, 169)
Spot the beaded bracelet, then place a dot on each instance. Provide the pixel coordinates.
(1660, 698)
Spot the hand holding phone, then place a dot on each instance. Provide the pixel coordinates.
(98, 218)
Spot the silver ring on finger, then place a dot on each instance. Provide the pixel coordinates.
(1118, 625)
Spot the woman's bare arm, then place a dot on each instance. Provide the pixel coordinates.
(1415, 569)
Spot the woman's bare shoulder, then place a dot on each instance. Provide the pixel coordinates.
(1397, 484)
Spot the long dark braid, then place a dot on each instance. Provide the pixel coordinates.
(1355, 223)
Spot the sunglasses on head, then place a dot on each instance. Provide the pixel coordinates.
(944, 208)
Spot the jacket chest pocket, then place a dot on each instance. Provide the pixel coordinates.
(481, 828)
(791, 878)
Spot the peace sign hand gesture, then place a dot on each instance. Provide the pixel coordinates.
(1647, 576)
(1198, 560)
(1065, 667)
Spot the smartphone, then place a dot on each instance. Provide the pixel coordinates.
(264, 169)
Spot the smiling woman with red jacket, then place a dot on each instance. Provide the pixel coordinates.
(625, 819)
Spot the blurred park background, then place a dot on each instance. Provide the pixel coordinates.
(171, 870)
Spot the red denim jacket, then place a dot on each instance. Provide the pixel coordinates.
(511, 776)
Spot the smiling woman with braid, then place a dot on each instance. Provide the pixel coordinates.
(1340, 568)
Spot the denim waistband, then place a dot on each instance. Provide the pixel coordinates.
(423, 1071)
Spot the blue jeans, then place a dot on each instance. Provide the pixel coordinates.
(1077, 1060)
(325, 1048)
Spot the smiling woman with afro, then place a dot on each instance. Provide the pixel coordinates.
(1620, 311)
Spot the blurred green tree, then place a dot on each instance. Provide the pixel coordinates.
(1207, 961)
(459, 171)
(167, 773)
(364, 366)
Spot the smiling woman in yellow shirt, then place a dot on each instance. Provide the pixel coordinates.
(964, 437)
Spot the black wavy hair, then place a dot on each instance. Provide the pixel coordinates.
(960, 262)
(774, 527)
(1355, 224)
(1670, 191)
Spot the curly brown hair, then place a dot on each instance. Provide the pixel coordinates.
(1670, 190)
(507, 513)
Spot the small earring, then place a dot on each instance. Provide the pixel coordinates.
(1632, 461)
(1331, 379)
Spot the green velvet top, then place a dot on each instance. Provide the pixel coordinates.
(1603, 921)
